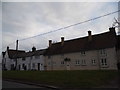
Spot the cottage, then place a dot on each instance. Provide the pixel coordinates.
(93, 52)
(9, 61)
(33, 60)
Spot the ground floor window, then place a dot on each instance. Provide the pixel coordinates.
(83, 62)
(93, 61)
(62, 62)
(77, 62)
(103, 61)
(33, 65)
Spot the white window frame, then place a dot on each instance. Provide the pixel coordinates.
(93, 62)
(104, 62)
(83, 62)
(77, 62)
(62, 62)
(82, 52)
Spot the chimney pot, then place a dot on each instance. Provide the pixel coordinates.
(7, 48)
(50, 43)
(33, 49)
(89, 36)
(62, 41)
(112, 28)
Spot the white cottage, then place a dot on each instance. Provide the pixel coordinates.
(33, 60)
(9, 61)
(93, 52)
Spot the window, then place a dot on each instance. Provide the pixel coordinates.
(62, 56)
(77, 62)
(31, 57)
(102, 51)
(54, 63)
(23, 58)
(83, 62)
(82, 52)
(103, 62)
(93, 62)
(29, 65)
(62, 62)
(33, 65)
(23, 65)
(37, 57)
(49, 63)
(49, 57)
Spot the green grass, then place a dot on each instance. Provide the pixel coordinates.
(64, 78)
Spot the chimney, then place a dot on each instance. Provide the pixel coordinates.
(50, 43)
(7, 48)
(89, 36)
(17, 45)
(33, 49)
(112, 29)
(62, 41)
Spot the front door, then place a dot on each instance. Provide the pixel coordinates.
(38, 66)
(67, 65)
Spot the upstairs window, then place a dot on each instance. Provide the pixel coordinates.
(37, 57)
(62, 56)
(103, 51)
(23, 58)
(49, 57)
(82, 52)
(31, 57)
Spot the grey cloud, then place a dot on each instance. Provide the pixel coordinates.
(22, 20)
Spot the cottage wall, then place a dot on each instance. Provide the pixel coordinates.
(80, 61)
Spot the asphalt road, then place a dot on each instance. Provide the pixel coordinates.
(8, 84)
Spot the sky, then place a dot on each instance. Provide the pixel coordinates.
(25, 19)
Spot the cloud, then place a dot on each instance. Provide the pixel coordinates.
(26, 19)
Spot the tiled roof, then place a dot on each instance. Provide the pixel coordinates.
(99, 41)
(33, 53)
(118, 42)
(15, 53)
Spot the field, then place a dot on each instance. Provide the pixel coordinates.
(79, 79)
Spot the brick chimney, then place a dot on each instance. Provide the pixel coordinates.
(89, 36)
(33, 49)
(62, 41)
(7, 48)
(112, 29)
(50, 43)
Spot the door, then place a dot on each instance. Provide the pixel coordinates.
(67, 65)
(38, 66)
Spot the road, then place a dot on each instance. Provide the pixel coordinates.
(8, 84)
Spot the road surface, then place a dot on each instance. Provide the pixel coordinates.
(8, 84)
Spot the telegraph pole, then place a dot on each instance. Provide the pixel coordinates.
(16, 54)
(16, 44)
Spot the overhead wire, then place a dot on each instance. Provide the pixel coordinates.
(68, 26)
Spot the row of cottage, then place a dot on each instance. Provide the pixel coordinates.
(93, 52)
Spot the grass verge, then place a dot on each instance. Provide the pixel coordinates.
(71, 79)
